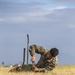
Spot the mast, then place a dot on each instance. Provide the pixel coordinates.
(24, 56)
(27, 48)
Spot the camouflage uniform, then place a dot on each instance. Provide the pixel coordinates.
(43, 64)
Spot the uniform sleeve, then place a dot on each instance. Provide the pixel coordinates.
(36, 49)
(32, 50)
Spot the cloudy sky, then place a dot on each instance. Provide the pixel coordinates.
(49, 23)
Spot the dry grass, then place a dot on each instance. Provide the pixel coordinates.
(59, 70)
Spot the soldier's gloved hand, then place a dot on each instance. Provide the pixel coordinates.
(33, 58)
(35, 68)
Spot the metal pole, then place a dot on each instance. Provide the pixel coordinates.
(24, 56)
(27, 48)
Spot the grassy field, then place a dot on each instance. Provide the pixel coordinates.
(59, 70)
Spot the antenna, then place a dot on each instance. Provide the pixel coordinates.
(27, 48)
(24, 56)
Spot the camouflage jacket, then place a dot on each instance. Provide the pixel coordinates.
(43, 64)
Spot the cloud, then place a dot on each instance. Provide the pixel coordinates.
(24, 12)
(57, 8)
(65, 16)
(29, 16)
(57, 15)
(20, 12)
(14, 4)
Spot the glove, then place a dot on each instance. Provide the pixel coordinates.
(33, 58)
(34, 68)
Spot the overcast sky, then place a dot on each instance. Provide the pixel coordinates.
(49, 23)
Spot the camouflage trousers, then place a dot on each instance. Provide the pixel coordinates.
(40, 62)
